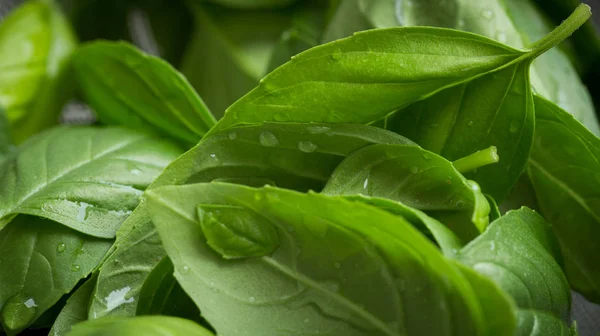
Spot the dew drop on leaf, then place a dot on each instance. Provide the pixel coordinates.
(336, 55)
(414, 169)
(501, 36)
(232, 136)
(185, 269)
(470, 123)
(136, 172)
(75, 268)
(307, 146)
(487, 13)
(268, 139)
(252, 299)
(61, 247)
(318, 129)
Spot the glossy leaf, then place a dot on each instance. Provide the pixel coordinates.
(128, 87)
(142, 325)
(162, 295)
(313, 276)
(417, 178)
(76, 309)
(493, 110)
(565, 173)
(291, 155)
(36, 43)
(42, 260)
(519, 252)
(89, 179)
(540, 323)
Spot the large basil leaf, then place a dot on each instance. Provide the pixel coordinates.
(123, 271)
(565, 172)
(417, 178)
(142, 325)
(330, 83)
(36, 42)
(127, 87)
(520, 252)
(298, 156)
(493, 110)
(41, 261)
(89, 179)
(75, 310)
(310, 281)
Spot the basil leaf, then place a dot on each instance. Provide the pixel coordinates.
(564, 170)
(417, 178)
(36, 43)
(162, 295)
(519, 252)
(437, 232)
(124, 272)
(312, 275)
(75, 310)
(291, 155)
(517, 23)
(493, 110)
(128, 87)
(89, 179)
(540, 323)
(142, 325)
(41, 261)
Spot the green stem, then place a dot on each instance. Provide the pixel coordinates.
(478, 159)
(581, 14)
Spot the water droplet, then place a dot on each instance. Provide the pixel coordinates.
(460, 204)
(461, 24)
(61, 247)
(117, 261)
(492, 245)
(501, 36)
(337, 265)
(214, 160)
(116, 298)
(136, 172)
(252, 299)
(366, 183)
(232, 136)
(317, 129)
(514, 127)
(470, 123)
(80, 250)
(487, 13)
(75, 268)
(268, 139)
(414, 169)
(336, 55)
(426, 156)
(307, 146)
(82, 214)
(185, 269)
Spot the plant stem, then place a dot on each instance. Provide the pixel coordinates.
(579, 16)
(478, 159)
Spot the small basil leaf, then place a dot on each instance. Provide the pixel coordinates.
(123, 271)
(312, 274)
(42, 261)
(564, 170)
(76, 309)
(235, 232)
(141, 325)
(417, 178)
(519, 252)
(290, 155)
(36, 43)
(162, 295)
(128, 87)
(89, 179)
(540, 323)
(493, 110)
(437, 232)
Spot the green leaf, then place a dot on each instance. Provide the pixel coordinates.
(89, 179)
(517, 23)
(128, 87)
(36, 43)
(350, 16)
(519, 252)
(540, 323)
(76, 309)
(330, 83)
(235, 232)
(315, 280)
(5, 139)
(162, 295)
(437, 232)
(493, 110)
(417, 178)
(290, 155)
(42, 260)
(142, 325)
(124, 271)
(565, 173)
